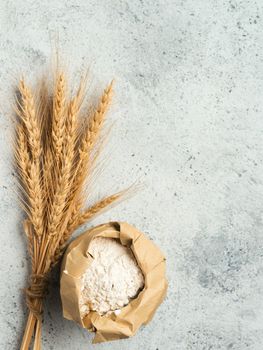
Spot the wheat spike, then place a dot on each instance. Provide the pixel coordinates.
(64, 171)
(69, 147)
(35, 199)
(60, 195)
(29, 117)
(94, 124)
(58, 126)
(22, 154)
(73, 110)
(33, 136)
(88, 140)
(97, 208)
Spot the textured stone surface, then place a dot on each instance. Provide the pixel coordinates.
(189, 121)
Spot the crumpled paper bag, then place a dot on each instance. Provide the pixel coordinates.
(141, 309)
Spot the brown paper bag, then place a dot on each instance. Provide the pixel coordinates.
(141, 309)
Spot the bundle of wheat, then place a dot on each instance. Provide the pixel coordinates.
(54, 154)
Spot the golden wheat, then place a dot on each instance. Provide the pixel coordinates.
(22, 154)
(97, 208)
(87, 142)
(58, 125)
(33, 176)
(29, 117)
(53, 161)
(94, 124)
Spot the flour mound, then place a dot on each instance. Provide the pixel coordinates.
(112, 279)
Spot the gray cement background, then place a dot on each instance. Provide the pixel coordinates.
(188, 115)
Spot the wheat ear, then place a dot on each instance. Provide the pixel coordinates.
(58, 125)
(64, 170)
(33, 178)
(88, 141)
(95, 122)
(29, 117)
(100, 206)
(22, 155)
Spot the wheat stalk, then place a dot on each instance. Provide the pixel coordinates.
(53, 161)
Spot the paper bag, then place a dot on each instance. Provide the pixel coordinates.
(141, 309)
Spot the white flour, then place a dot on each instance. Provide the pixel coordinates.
(112, 279)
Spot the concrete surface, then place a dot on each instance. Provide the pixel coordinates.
(188, 123)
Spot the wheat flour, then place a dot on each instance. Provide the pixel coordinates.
(112, 279)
